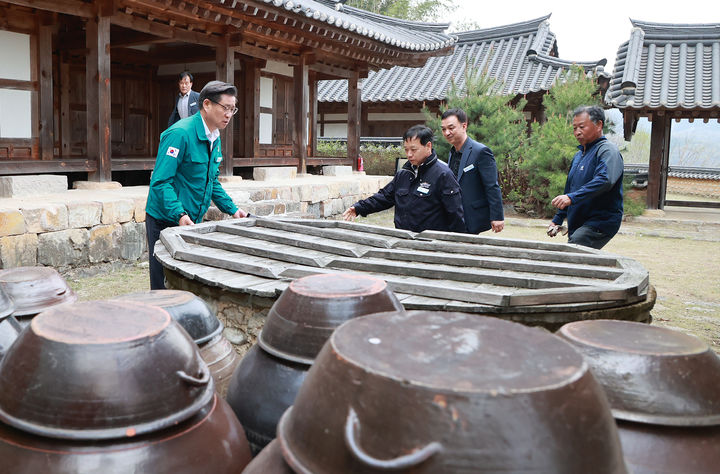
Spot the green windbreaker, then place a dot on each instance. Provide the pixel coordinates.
(185, 178)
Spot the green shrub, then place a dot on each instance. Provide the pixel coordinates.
(379, 159)
(331, 148)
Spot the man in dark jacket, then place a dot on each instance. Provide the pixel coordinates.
(473, 164)
(186, 101)
(593, 199)
(424, 192)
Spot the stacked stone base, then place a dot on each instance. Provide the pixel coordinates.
(86, 227)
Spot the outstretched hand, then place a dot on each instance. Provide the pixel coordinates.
(350, 214)
(561, 202)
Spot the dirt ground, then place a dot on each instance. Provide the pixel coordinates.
(683, 260)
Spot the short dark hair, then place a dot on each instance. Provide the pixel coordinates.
(185, 74)
(457, 112)
(596, 113)
(214, 89)
(421, 132)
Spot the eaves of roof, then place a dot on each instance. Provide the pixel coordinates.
(667, 66)
(412, 36)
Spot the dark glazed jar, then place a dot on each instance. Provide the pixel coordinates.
(112, 387)
(203, 326)
(9, 327)
(423, 392)
(663, 390)
(265, 383)
(35, 289)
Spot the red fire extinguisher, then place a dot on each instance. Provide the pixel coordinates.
(360, 163)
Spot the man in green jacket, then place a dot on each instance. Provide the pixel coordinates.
(185, 178)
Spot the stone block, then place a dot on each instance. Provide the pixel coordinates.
(302, 193)
(264, 208)
(230, 179)
(334, 190)
(96, 185)
(338, 206)
(326, 208)
(32, 185)
(133, 243)
(268, 173)
(64, 248)
(47, 217)
(313, 209)
(104, 243)
(348, 201)
(257, 195)
(320, 193)
(139, 211)
(285, 193)
(214, 214)
(18, 250)
(83, 214)
(117, 210)
(337, 170)
(279, 208)
(293, 206)
(12, 222)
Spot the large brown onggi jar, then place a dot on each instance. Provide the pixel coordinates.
(265, 383)
(425, 392)
(203, 326)
(35, 289)
(663, 390)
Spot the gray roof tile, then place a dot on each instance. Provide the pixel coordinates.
(673, 66)
(409, 35)
(518, 55)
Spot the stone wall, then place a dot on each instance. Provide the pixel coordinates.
(80, 228)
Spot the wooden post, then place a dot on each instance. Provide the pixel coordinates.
(225, 63)
(300, 128)
(64, 107)
(354, 118)
(252, 108)
(47, 132)
(313, 103)
(97, 82)
(665, 165)
(658, 155)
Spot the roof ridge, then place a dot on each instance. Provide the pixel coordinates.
(513, 29)
(421, 25)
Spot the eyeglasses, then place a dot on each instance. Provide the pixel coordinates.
(232, 111)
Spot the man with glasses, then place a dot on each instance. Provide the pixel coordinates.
(185, 178)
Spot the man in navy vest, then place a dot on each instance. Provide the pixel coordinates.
(473, 164)
(593, 199)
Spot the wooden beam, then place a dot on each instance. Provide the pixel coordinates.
(665, 164)
(97, 82)
(300, 129)
(252, 109)
(265, 53)
(658, 154)
(354, 117)
(18, 85)
(53, 166)
(225, 67)
(45, 66)
(158, 29)
(68, 7)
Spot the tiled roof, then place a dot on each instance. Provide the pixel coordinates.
(518, 55)
(409, 35)
(679, 171)
(674, 66)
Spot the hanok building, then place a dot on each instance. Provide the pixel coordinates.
(666, 72)
(88, 86)
(521, 57)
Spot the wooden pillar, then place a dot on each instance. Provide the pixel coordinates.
(46, 130)
(665, 165)
(659, 140)
(97, 82)
(252, 108)
(64, 107)
(354, 117)
(225, 65)
(312, 119)
(300, 128)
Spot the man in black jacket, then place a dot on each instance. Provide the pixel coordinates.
(424, 192)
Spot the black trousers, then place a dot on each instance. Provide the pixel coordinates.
(153, 227)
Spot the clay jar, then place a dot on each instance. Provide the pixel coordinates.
(663, 390)
(35, 289)
(196, 317)
(265, 383)
(9, 327)
(111, 384)
(426, 392)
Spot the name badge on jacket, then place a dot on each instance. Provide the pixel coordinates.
(194, 103)
(424, 187)
(218, 159)
(468, 168)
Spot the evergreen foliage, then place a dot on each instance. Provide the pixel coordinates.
(417, 10)
(548, 153)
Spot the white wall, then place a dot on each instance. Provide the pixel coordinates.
(15, 105)
(278, 68)
(265, 128)
(420, 117)
(336, 130)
